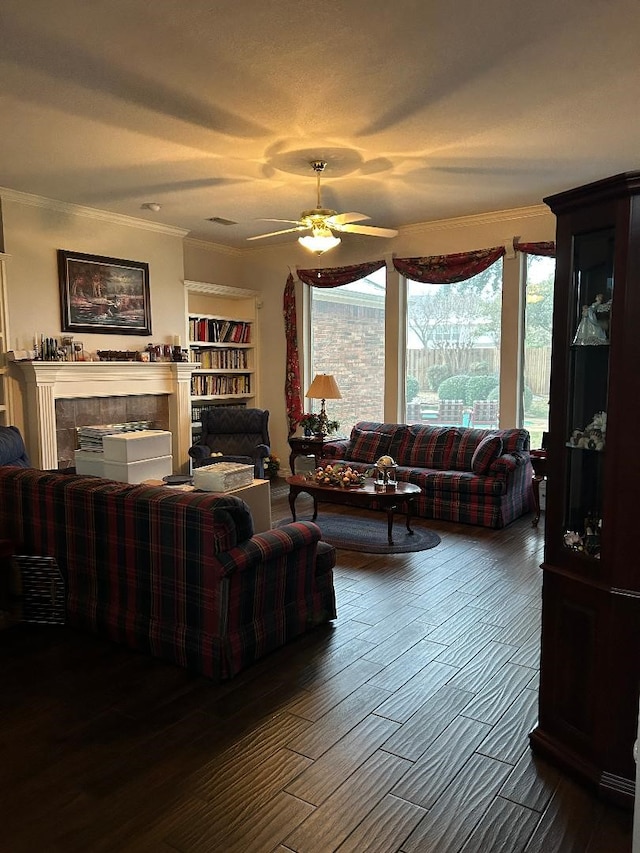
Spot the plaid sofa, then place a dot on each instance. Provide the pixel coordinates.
(175, 574)
(476, 476)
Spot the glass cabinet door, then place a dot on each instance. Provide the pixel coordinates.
(592, 301)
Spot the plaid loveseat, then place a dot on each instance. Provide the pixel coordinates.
(476, 476)
(178, 575)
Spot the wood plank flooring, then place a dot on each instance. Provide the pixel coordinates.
(400, 728)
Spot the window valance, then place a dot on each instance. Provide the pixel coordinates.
(448, 269)
(337, 276)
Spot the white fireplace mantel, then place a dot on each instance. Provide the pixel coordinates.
(48, 381)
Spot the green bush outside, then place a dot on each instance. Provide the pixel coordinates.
(494, 394)
(436, 374)
(478, 387)
(412, 388)
(453, 388)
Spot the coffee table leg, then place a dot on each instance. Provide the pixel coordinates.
(315, 508)
(409, 514)
(390, 511)
(293, 494)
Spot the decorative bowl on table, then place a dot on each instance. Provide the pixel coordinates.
(342, 476)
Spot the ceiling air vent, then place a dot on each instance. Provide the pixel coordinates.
(219, 220)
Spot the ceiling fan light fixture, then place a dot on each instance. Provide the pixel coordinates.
(320, 241)
(321, 238)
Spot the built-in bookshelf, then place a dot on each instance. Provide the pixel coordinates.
(5, 408)
(222, 341)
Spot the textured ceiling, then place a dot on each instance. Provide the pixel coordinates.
(423, 109)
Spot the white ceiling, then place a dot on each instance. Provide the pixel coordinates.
(423, 109)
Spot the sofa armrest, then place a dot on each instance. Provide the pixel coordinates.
(508, 462)
(199, 452)
(270, 545)
(335, 449)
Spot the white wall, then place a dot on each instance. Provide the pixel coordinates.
(34, 229)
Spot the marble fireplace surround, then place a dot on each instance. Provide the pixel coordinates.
(47, 382)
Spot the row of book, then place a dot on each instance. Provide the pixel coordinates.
(196, 411)
(206, 330)
(220, 359)
(207, 385)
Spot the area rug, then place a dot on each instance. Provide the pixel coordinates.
(369, 533)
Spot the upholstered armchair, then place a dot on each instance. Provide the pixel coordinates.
(12, 449)
(239, 433)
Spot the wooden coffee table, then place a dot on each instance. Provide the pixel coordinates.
(402, 497)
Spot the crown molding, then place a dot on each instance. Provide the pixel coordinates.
(220, 289)
(213, 247)
(508, 215)
(89, 212)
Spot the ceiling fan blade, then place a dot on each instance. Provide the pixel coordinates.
(372, 230)
(343, 218)
(293, 221)
(275, 233)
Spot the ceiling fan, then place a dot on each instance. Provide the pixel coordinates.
(322, 222)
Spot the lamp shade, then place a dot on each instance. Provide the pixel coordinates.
(319, 243)
(324, 387)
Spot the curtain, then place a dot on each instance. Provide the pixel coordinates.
(292, 389)
(329, 277)
(546, 248)
(448, 269)
(337, 276)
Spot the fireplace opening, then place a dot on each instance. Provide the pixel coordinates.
(94, 411)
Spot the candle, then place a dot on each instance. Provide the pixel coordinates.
(176, 341)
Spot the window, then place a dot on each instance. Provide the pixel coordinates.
(538, 324)
(453, 350)
(347, 340)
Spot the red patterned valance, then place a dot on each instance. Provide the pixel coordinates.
(448, 269)
(546, 248)
(337, 276)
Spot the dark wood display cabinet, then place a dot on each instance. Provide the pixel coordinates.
(590, 657)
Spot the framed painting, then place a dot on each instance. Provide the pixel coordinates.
(104, 295)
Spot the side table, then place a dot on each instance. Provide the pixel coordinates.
(540, 471)
(306, 446)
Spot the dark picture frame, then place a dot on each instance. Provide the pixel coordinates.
(104, 295)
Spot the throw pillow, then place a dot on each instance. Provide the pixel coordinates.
(485, 453)
(426, 447)
(366, 446)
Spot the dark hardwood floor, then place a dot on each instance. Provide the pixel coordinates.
(401, 727)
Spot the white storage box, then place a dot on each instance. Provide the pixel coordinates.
(89, 462)
(137, 445)
(222, 477)
(137, 472)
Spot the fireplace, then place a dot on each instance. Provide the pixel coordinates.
(59, 394)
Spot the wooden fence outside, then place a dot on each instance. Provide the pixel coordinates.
(537, 365)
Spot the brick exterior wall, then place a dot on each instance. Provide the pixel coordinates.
(348, 341)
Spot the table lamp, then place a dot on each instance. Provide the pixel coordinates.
(323, 387)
